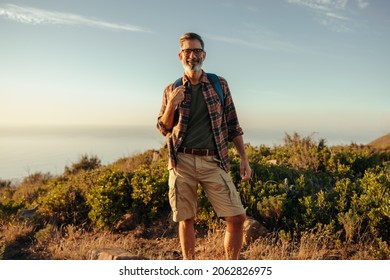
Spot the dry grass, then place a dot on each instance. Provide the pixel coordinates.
(24, 241)
(382, 143)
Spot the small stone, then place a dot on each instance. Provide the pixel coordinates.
(253, 230)
(113, 254)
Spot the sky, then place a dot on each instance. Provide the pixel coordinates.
(306, 66)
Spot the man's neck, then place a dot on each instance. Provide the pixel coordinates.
(194, 76)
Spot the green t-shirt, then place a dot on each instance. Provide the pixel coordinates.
(199, 134)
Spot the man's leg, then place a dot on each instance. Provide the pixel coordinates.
(234, 236)
(187, 238)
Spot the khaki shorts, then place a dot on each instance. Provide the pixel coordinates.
(192, 170)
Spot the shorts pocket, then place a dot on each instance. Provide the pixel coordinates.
(172, 194)
(230, 186)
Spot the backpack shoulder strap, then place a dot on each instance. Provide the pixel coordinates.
(177, 83)
(213, 78)
(217, 86)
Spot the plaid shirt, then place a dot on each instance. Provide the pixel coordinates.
(224, 121)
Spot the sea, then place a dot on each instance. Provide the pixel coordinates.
(49, 149)
(25, 150)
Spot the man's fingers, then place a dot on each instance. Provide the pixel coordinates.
(245, 178)
(177, 95)
(245, 173)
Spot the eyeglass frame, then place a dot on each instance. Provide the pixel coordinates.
(196, 51)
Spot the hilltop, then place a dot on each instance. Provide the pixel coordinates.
(381, 143)
(315, 202)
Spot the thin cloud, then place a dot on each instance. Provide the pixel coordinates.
(29, 15)
(269, 44)
(332, 13)
(362, 4)
(336, 16)
(256, 37)
(321, 5)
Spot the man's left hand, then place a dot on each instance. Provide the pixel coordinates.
(245, 171)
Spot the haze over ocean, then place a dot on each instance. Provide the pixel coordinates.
(26, 150)
(30, 149)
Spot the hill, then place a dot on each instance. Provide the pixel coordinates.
(315, 202)
(382, 143)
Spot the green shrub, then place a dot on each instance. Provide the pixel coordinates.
(150, 190)
(32, 187)
(301, 188)
(109, 197)
(374, 201)
(63, 203)
(85, 163)
(5, 184)
(9, 209)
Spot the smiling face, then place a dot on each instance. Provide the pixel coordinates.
(192, 55)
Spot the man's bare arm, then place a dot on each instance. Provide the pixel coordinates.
(245, 170)
(175, 98)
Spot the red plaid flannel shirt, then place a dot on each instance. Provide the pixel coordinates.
(224, 121)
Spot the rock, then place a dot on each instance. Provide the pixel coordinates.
(253, 230)
(128, 222)
(27, 214)
(113, 254)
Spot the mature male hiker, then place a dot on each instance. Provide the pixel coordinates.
(198, 118)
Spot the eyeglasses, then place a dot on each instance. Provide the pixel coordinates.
(189, 51)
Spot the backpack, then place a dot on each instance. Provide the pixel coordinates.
(215, 83)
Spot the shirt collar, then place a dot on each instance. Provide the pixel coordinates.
(203, 79)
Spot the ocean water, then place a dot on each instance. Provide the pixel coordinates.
(26, 150)
(30, 149)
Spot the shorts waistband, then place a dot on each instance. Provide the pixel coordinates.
(197, 152)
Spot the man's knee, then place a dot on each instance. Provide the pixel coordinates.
(187, 223)
(235, 222)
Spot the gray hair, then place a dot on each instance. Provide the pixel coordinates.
(191, 36)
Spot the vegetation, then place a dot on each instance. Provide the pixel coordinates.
(317, 202)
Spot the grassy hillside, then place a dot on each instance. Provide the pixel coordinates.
(317, 202)
(382, 143)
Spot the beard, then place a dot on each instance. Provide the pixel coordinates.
(192, 65)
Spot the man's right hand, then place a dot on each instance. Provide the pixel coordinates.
(177, 96)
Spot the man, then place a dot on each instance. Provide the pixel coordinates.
(198, 127)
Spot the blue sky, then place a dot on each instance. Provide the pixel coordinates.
(292, 65)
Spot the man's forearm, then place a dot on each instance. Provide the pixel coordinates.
(167, 119)
(240, 146)
(245, 170)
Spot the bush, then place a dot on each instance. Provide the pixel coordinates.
(150, 190)
(64, 203)
(335, 193)
(373, 204)
(84, 164)
(9, 209)
(109, 197)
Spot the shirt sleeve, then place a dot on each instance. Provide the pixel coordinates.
(160, 126)
(234, 128)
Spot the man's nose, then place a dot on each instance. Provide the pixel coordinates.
(192, 54)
